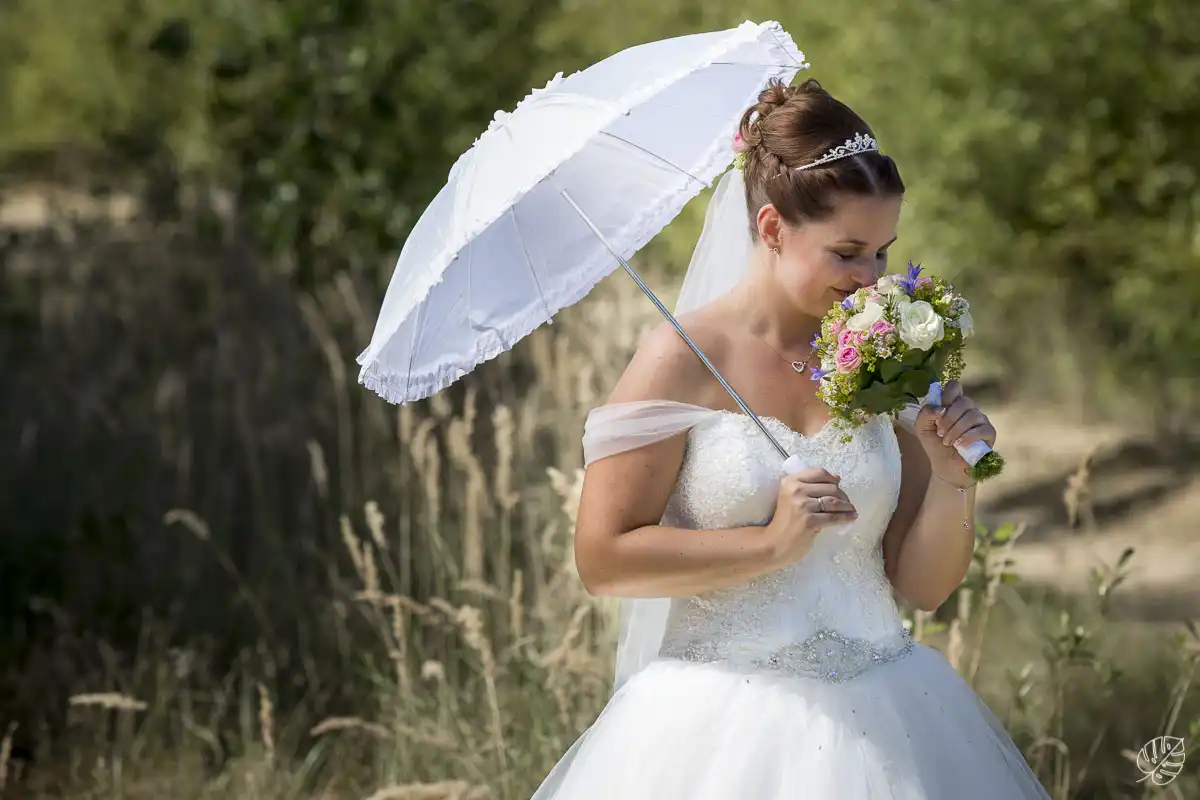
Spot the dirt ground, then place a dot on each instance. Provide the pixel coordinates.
(1140, 492)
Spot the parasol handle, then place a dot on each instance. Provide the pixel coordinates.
(737, 398)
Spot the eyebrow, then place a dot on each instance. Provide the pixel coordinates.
(861, 243)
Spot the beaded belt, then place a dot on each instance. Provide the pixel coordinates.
(826, 656)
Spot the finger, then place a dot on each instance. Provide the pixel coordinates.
(927, 418)
(953, 414)
(980, 433)
(835, 503)
(832, 505)
(821, 490)
(972, 419)
(951, 391)
(813, 475)
(829, 507)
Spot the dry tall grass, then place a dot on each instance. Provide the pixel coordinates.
(439, 644)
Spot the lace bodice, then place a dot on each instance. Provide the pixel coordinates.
(830, 615)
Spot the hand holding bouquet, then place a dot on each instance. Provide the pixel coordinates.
(889, 348)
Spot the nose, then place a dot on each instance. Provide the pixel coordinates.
(869, 274)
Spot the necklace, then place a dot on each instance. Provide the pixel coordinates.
(797, 366)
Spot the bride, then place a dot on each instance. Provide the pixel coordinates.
(767, 659)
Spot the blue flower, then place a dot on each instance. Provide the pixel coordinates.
(909, 281)
(848, 303)
(816, 340)
(817, 374)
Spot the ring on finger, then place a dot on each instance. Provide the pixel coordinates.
(821, 504)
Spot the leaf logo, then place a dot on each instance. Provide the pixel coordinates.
(1161, 760)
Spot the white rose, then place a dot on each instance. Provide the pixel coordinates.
(920, 326)
(862, 321)
(889, 285)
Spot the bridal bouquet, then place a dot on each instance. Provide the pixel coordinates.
(887, 349)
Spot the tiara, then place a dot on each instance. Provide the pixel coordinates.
(861, 143)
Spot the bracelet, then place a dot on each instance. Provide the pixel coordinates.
(948, 483)
(963, 491)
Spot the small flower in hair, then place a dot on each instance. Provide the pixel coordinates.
(739, 148)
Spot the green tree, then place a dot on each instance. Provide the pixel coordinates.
(1048, 150)
(338, 120)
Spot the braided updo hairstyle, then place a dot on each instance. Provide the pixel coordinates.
(793, 126)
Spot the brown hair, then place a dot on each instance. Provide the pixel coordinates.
(793, 126)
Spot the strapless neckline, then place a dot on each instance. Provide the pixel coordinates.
(820, 434)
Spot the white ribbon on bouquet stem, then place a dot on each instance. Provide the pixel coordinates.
(971, 452)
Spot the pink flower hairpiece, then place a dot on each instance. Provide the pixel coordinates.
(740, 148)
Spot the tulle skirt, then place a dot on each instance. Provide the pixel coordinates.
(911, 729)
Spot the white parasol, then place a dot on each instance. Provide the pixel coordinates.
(552, 197)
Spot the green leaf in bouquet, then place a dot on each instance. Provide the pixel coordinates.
(878, 398)
(915, 358)
(916, 382)
(938, 362)
(890, 370)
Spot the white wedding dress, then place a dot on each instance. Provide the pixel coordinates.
(802, 684)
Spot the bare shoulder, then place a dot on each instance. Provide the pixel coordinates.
(665, 368)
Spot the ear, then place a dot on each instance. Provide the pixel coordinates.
(770, 225)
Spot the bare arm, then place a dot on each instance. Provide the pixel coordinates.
(926, 550)
(620, 547)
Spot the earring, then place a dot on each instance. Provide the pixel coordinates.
(775, 250)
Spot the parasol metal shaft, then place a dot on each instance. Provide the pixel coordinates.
(737, 398)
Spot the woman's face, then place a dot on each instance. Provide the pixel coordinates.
(820, 263)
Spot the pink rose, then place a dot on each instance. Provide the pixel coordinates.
(837, 328)
(848, 338)
(882, 328)
(848, 359)
(923, 281)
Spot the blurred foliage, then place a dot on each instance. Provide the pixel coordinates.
(1047, 147)
(337, 118)
(94, 79)
(334, 121)
(1050, 153)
